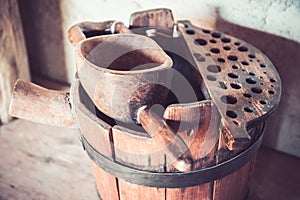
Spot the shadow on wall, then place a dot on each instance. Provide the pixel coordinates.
(44, 43)
(283, 127)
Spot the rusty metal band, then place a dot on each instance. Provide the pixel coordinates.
(173, 179)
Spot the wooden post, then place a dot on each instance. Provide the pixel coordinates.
(13, 54)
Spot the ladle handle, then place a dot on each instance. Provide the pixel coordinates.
(35, 103)
(177, 151)
(83, 30)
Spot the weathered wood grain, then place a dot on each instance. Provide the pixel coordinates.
(176, 149)
(235, 185)
(200, 130)
(97, 132)
(32, 102)
(141, 152)
(162, 18)
(106, 184)
(13, 54)
(240, 79)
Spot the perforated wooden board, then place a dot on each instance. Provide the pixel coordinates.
(239, 78)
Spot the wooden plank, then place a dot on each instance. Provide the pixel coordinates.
(197, 192)
(135, 149)
(97, 132)
(13, 54)
(106, 184)
(130, 191)
(235, 185)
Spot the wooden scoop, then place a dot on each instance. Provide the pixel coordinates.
(121, 73)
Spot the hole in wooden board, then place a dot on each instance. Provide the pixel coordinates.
(222, 85)
(271, 92)
(272, 80)
(214, 68)
(243, 49)
(228, 99)
(231, 114)
(199, 57)
(248, 109)
(216, 35)
(262, 65)
(236, 123)
(237, 43)
(226, 40)
(221, 60)
(256, 90)
(263, 102)
(215, 50)
(232, 58)
(245, 62)
(247, 95)
(233, 75)
(251, 74)
(251, 80)
(235, 86)
(251, 56)
(234, 67)
(190, 32)
(211, 78)
(205, 31)
(227, 48)
(200, 42)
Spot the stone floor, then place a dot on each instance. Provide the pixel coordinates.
(45, 162)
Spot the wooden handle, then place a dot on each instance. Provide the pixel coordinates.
(32, 102)
(161, 17)
(158, 129)
(83, 30)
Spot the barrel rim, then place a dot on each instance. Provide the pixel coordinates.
(173, 179)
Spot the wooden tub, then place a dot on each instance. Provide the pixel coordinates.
(127, 164)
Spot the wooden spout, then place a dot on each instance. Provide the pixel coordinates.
(35, 103)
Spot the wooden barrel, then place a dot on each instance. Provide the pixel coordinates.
(127, 164)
